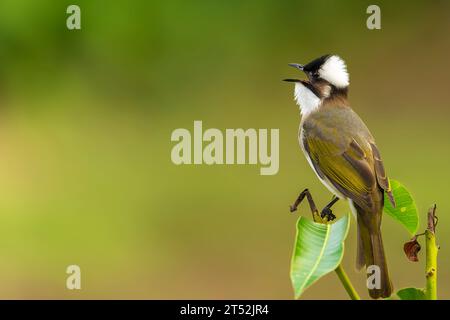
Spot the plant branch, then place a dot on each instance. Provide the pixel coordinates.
(346, 283)
(431, 256)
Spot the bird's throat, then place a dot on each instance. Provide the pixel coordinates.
(307, 100)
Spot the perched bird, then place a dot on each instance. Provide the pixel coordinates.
(342, 152)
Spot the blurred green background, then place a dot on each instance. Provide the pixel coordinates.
(86, 117)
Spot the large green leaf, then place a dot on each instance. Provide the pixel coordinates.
(319, 249)
(405, 211)
(411, 294)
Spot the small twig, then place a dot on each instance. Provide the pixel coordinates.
(326, 214)
(312, 205)
(432, 219)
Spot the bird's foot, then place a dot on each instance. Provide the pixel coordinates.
(328, 214)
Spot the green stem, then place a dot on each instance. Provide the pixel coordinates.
(431, 265)
(431, 255)
(346, 283)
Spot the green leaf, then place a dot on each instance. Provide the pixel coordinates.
(411, 294)
(405, 211)
(319, 249)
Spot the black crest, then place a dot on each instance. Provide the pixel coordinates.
(315, 65)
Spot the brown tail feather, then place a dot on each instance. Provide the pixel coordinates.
(371, 252)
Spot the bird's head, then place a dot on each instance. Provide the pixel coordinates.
(327, 76)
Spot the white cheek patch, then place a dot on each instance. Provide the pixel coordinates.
(306, 99)
(335, 72)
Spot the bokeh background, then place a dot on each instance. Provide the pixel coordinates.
(86, 117)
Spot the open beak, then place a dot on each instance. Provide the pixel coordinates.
(297, 66)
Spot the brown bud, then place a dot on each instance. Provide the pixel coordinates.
(412, 248)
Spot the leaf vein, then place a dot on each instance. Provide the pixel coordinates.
(316, 265)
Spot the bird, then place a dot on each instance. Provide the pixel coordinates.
(342, 152)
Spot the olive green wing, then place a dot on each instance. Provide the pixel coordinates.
(343, 151)
(346, 165)
(382, 178)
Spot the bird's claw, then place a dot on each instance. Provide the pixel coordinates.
(328, 213)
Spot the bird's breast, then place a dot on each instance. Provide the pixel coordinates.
(322, 178)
